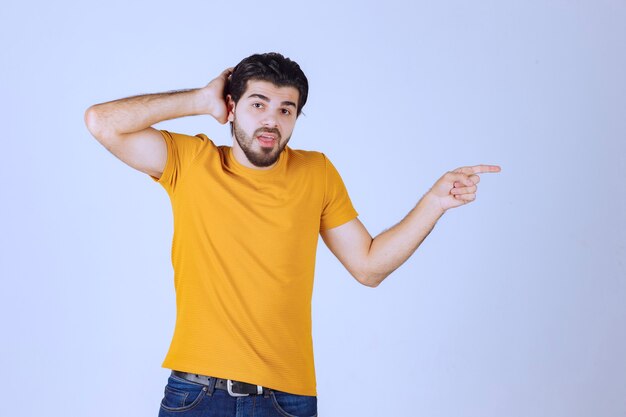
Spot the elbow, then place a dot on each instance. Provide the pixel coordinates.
(91, 120)
(371, 280)
(95, 124)
(370, 274)
(371, 284)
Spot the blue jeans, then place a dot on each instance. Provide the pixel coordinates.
(184, 398)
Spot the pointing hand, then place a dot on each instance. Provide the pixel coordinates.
(458, 187)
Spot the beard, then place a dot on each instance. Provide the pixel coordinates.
(259, 156)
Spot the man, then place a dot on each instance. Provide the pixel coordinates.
(246, 225)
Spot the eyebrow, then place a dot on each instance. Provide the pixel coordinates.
(262, 97)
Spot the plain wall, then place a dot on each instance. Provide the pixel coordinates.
(513, 306)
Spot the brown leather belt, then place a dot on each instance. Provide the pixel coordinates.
(234, 388)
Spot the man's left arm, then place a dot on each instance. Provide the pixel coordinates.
(371, 260)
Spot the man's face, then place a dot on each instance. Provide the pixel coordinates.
(263, 121)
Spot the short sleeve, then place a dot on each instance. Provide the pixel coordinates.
(337, 208)
(181, 151)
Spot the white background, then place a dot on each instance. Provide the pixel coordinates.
(513, 306)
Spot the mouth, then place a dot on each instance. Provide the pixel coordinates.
(267, 139)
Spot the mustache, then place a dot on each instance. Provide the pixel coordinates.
(274, 131)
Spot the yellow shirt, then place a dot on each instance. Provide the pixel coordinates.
(243, 253)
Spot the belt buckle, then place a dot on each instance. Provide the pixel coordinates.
(229, 388)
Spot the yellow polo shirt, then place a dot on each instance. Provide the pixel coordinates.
(243, 253)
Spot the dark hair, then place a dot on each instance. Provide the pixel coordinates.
(271, 67)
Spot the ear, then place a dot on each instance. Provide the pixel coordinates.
(230, 106)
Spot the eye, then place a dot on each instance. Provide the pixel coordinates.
(257, 105)
(286, 112)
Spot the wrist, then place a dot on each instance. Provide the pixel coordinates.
(204, 101)
(432, 203)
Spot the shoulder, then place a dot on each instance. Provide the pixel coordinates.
(311, 159)
(188, 147)
(183, 139)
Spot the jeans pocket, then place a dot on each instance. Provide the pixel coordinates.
(180, 395)
(291, 405)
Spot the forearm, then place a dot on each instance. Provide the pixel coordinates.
(133, 114)
(394, 246)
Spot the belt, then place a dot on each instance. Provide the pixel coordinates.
(234, 388)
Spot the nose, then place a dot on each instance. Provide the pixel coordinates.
(269, 121)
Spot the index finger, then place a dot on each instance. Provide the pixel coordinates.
(479, 169)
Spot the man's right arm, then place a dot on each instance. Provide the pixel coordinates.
(124, 126)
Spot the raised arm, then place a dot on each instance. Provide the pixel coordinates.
(124, 126)
(369, 260)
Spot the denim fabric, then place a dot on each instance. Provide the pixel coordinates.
(184, 398)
